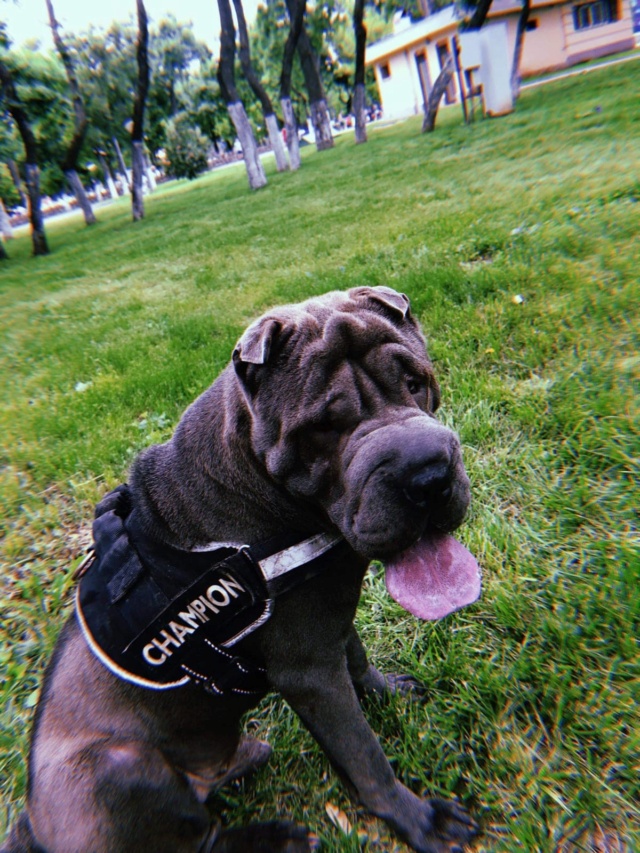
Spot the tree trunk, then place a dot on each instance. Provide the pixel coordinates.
(123, 166)
(111, 187)
(360, 32)
(17, 182)
(70, 163)
(291, 131)
(38, 236)
(321, 121)
(6, 230)
(252, 162)
(435, 96)
(359, 112)
(517, 51)
(317, 100)
(258, 89)
(296, 10)
(479, 16)
(81, 196)
(226, 79)
(32, 173)
(275, 140)
(148, 171)
(137, 133)
(78, 190)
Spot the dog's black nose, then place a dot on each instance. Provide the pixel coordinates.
(428, 486)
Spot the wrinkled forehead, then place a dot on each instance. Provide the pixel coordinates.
(339, 330)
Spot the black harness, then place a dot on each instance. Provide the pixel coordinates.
(160, 617)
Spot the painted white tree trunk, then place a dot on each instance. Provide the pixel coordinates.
(137, 160)
(277, 145)
(6, 230)
(113, 192)
(148, 172)
(124, 172)
(321, 125)
(255, 172)
(291, 128)
(358, 111)
(81, 197)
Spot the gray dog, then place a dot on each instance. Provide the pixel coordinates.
(231, 565)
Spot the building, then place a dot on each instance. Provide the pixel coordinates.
(560, 33)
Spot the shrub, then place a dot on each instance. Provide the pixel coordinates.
(185, 150)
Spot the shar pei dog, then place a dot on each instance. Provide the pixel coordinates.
(231, 565)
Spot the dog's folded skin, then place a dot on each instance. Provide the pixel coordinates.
(323, 423)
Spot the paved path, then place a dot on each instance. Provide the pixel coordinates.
(595, 67)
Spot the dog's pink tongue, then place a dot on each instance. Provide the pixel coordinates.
(434, 577)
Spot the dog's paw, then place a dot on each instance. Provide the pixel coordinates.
(388, 684)
(398, 684)
(278, 836)
(447, 828)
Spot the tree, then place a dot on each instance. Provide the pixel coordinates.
(173, 50)
(137, 132)
(32, 173)
(296, 20)
(70, 162)
(270, 119)
(310, 68)
(6, 232)
(205, 107)
(107, 72)
(479, 11)
(435, 95)
(226, 79)
(360, 33)
(521, 28)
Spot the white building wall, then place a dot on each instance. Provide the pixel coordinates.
(400, 91)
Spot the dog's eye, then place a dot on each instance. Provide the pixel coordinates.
(325, 433)
(414, 385)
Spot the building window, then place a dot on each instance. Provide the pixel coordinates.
(385, 71)
(594, 14)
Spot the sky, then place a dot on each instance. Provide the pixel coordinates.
(28, 19)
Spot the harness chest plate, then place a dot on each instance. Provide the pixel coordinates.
(159, 617)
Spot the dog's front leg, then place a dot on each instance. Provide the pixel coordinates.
(325, 699)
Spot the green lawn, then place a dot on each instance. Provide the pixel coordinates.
(517, 241)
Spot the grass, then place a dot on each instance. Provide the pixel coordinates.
(516, 240)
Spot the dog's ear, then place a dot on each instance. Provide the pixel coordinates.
(253, 351)
(390, 299)
(255, 346)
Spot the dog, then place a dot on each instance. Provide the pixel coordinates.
(231, 565)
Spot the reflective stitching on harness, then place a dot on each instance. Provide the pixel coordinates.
(218, 649)
(209, 682)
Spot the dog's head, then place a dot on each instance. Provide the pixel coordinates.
(342, 397)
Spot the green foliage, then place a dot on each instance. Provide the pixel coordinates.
(531, 716)
(173, 51)
(186, 148)
(107, 74)
(8, 192)
(42, 88)
(330, 27)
